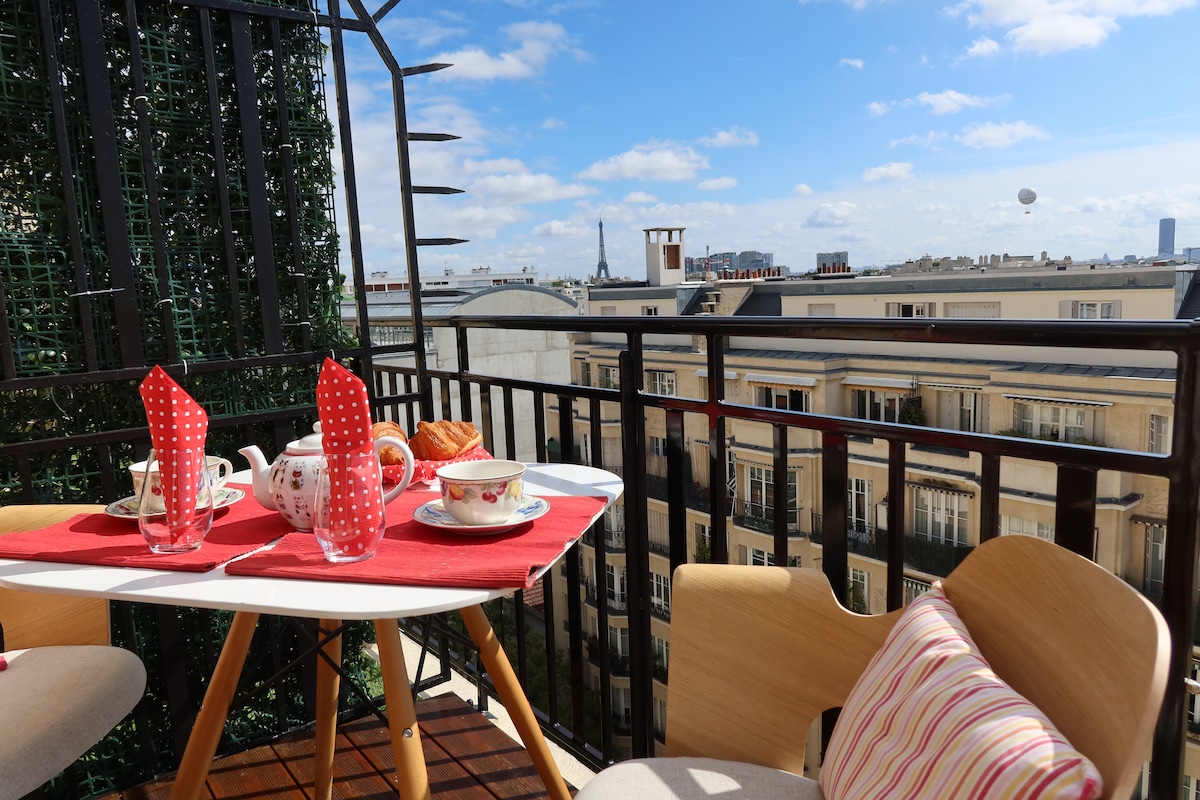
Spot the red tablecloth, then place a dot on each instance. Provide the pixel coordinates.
(108, 541)
(413, 553)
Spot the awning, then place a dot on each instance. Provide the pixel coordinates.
(935, 487)
(885, 383)
(1058, 401)
(703, 373)
(951, 387)
(780, 380)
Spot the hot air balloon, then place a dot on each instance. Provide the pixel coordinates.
(1026, 196)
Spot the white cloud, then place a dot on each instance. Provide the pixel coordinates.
(1004, 134)
(717, 183)
(802, 188)
(493, 166)
(649, 162)
(734, 137)
(832, 215)
(640, 198)
(558, 228)
(982, 48)
(1055, 26)
(550, 124)
(536, 44)
(894, 171)
(857, 63)
(526, 187)
(877, 108)
(930, 140)
(951, 102)
(425, 32)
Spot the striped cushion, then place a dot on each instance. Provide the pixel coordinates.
(930, 719)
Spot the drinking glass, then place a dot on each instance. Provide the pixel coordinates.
(349, 519)
(187, 498)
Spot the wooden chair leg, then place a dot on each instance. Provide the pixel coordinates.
(514, 700)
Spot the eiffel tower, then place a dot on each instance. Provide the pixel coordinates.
(602, 267)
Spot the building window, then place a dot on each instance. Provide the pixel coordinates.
(610, 377)
(649, 311)
(660, 382)
(585, 373)
(968, 411)
(662, 651)
(618, 641)
(1160, 434)
(658, 446)
(858, 510)
(761, 558)
(660, 716)
(703, 544)
(1156, 546)
(614, 579)
(608, 311)
(857, 594)
(788, 399)
(1094, 311)
(622, 716)
(940, 516)
(660, 592)
(875, 404)
(1027, 527)
(822, 310)
(614, 517)
(1060, 423)
(910, 309)
(914, 589)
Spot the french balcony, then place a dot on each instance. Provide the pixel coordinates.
(259, 310)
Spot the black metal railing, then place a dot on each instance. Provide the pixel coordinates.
(761, 517)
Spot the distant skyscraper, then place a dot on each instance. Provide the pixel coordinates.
(602, 267)
(1166, 236)
(837, 261)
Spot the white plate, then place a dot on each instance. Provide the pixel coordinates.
(128, 508)
(435, 515)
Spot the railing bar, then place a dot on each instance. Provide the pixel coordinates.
(989, 497)
(510, 423)
(896, 514)
(779, 499)
(678, 463)
(718, 457)
(1075, 511)
(221, 176)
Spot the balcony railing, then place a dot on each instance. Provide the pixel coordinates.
(920, 554)
(761, 517)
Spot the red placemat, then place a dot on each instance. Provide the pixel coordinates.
(413, 553)
(111, 542)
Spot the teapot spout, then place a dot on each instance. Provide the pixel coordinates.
(260, 474)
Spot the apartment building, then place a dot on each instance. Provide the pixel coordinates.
(1110, 399)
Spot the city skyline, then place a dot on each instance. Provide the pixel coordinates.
(886, 130)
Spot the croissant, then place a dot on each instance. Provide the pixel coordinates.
(444, 439)
(389, 455)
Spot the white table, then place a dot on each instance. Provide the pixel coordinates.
(330, 602)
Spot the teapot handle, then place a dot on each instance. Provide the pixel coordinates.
(394, 492)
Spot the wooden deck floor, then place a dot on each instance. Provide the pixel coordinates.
(468, 759)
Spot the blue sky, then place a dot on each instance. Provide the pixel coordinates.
(887, 129)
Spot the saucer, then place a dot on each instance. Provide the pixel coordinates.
(128, 508)
(435, 515)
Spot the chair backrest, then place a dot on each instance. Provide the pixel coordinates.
(35, 619)
(757, 653)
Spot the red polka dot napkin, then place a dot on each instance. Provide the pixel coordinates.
(178, 430)
(355, 497)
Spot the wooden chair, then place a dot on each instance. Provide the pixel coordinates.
(64, 688)
(757, 653)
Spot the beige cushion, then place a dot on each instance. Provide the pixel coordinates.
(58, 702)
(696, 779)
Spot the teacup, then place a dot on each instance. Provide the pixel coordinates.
(482, 492)
(219, 470)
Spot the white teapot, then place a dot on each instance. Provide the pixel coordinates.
(289, 484)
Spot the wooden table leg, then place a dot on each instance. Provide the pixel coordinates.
(328, 685)
(402, 714)
(514, 700)
(210, 722)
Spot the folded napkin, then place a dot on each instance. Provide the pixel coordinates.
(111, 542)
(415, 554)
(178, 430)
(355, 496)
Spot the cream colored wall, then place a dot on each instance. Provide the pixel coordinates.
(1140, 303)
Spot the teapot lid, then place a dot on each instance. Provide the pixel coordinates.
(308, 445)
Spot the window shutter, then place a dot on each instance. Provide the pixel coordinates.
(931, 309)
(1116, 306)
(1067, 309)
(742, 556)
(893, 309)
